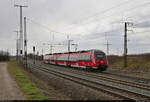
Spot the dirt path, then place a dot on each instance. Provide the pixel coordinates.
(8, 87)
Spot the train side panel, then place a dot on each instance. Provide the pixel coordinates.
(92, 59)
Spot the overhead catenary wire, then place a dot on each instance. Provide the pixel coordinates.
(129, 9)
(142, 22)
(101, 33)
(103, 12)
(45, 27)
(109, 35)
(48, 27)
(135, 15)
(140, 33)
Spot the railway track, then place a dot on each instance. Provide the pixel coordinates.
(107, 73)
(116, 80)
(122, 89)
(135, 79)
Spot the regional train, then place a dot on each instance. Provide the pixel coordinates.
(89, 59)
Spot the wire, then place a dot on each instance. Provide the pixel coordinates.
(102, 12)
(145, 21)
(63, 33)
(139, 33)
(51, 29)
(45, 26)
(113, 14)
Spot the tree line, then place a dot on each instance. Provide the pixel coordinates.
(4, 56)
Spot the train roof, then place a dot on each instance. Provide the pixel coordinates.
(82, 51)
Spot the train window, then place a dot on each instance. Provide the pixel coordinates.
(49, 58)
(100, 56)
(88, 58)
(84, 58)
(65, 58)
(79, 58)
(73, 59)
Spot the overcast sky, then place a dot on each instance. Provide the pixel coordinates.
(85, 21)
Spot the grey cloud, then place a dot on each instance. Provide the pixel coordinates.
(60, 15)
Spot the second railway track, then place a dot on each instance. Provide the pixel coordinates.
(122, 89)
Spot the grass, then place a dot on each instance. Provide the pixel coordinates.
(29, 89)
(140, 63)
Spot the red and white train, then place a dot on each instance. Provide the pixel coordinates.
(91, 59)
